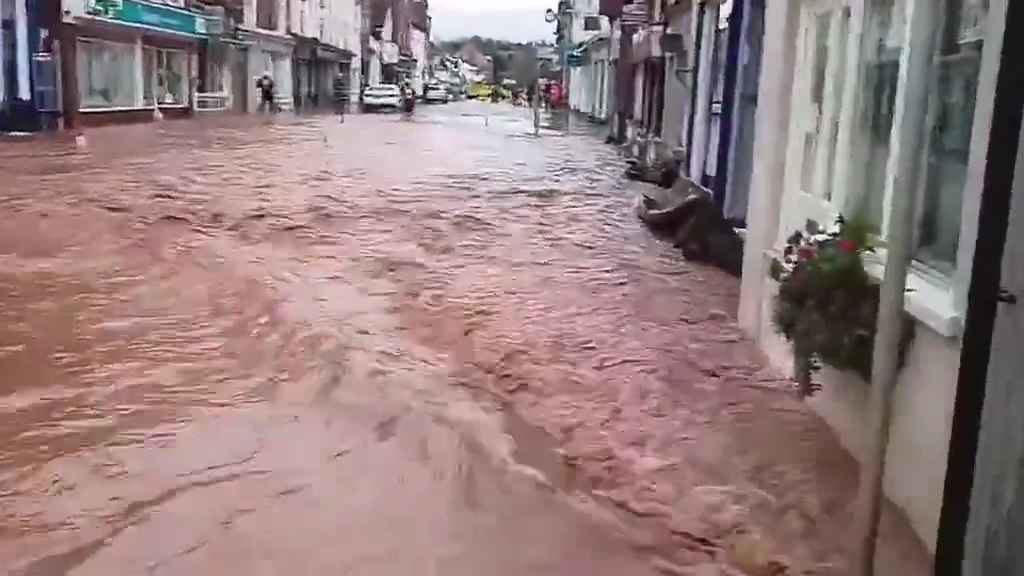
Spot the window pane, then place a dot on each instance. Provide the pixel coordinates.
(174, 78)
(816, 62)
(822, 29)
(883, 42)
(956, 67)
(106, 74)
(148, 75)
(165, 76)
(807, 168)
(831, 111)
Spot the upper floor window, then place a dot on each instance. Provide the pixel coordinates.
(266, 14)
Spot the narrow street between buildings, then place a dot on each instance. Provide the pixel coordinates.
(388, 346)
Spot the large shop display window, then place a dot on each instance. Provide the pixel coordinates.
(106, 74)
(163, 74)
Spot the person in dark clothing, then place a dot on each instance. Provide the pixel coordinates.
(266, 87)
(408, 98)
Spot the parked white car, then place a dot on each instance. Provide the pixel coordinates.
(382, 96)
(436, 94)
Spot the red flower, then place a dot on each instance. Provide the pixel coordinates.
(848, 246)
(806, 253)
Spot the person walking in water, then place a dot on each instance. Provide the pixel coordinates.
(265, 85)
(408, 98)
(340, 87)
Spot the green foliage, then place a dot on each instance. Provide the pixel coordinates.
(827, 305)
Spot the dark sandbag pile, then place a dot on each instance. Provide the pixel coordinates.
(687, 214)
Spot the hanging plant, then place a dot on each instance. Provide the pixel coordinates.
(827, 306)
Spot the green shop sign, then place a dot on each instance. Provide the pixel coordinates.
(151, 15)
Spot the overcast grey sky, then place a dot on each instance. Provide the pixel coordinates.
(517, 20)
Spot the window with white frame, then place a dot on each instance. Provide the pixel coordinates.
(858, 63)
(163, 76)
(106, 74)
(953, 90)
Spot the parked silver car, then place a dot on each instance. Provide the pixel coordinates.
(382, 96)
(436, 94)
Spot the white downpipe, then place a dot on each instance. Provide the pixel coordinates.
(909, 115)
(139, 73)
(21, 49)
(3, 42)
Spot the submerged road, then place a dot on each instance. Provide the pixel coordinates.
(384, 347)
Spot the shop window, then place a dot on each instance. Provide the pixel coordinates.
(163, 75)
(948, 127)
(106, 74)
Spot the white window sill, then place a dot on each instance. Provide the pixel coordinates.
(129, 108)
(929, 301)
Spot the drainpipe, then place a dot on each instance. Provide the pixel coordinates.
(908, 117)
(884, 374)
(21, 50)
(68, 41)
(626, 89)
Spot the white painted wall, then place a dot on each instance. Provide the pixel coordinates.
(248, 13)
(304, 18)
(341, 21)
(923, 401)
(579, 85)
(582, 9)
(266, 55)
(335, 23)
(589, 84)
(418, 43)
(676, 115)
(638, 91)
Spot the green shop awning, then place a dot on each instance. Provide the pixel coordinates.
(151, 16)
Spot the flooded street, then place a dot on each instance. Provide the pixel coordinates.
(385, 347)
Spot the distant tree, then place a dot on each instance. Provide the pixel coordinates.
(524, 66)
(514, 60)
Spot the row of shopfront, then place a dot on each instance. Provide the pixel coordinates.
(678, 81)
(89, 62)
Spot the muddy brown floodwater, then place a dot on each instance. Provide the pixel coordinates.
(384, 347)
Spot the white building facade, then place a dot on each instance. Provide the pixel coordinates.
(862, 104)
(328, 50)
(270, 49)
(593, 77)
(419, 41)
(582, 24)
